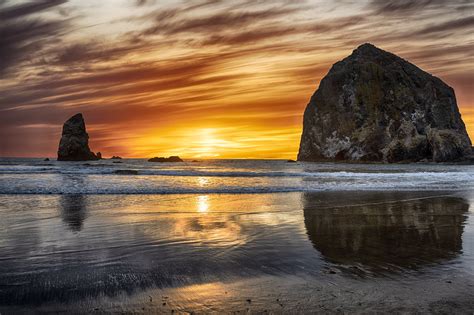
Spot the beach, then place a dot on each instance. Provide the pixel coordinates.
(235, 236)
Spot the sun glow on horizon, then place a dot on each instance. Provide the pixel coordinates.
(221, 141)
(207, 143)
(221, 79)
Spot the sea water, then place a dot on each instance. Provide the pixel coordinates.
(34, 176)
(235, 235)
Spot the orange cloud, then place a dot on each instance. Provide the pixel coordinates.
(211, 79)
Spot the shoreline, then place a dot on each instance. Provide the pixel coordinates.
(273, 249)
(282, 296)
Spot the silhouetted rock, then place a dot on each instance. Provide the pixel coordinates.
(163, 159)
(99, 155)
(74, 144)
(375, 106)
(291, 161)
(115, 157)
(47, 159)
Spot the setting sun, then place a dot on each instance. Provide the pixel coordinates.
(207, 144)
(211, 80)
(236, 156)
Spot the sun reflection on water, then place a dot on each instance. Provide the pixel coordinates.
(203, 181)
(203, 204)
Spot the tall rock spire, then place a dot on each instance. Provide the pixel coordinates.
(74, 144)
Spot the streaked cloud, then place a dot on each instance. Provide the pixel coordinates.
(413, 6)
(24, 9)
(449, 27)
(158, 77)
(23, 32)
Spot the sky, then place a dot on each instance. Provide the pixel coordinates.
(203, 78)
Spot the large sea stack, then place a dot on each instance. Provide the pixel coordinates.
(74, 144)
(376, 106)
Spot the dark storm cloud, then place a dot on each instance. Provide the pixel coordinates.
(21, 34)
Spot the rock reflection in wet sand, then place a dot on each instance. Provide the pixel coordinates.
(383, 235)
(214, 253)
(73, 211)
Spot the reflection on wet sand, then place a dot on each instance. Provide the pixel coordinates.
(73, 211)
(220, 250)
(384, 235)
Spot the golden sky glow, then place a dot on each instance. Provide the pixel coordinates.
(204, 78)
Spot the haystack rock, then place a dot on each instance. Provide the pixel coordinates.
(376, 106)
(74, 144)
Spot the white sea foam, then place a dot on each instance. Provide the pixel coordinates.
(33, 177)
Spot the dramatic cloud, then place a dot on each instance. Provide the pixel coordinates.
(208, 78)
(412, 6)
(20, 35)
(449, 27)
(169, 22)
(21, 10)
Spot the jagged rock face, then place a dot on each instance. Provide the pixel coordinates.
(375, 106)
(74, 144)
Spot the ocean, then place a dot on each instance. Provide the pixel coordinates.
(223, 236)
(35, 176)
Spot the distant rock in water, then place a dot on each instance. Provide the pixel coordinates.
(74, 144)
(115, 157)
(376, 106)
(46, 159)
(163, 159)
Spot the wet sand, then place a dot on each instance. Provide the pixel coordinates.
(337, 252)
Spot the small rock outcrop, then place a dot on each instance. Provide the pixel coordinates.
(376, 106)
(74, 144)
(115, 157)
(163, 159)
